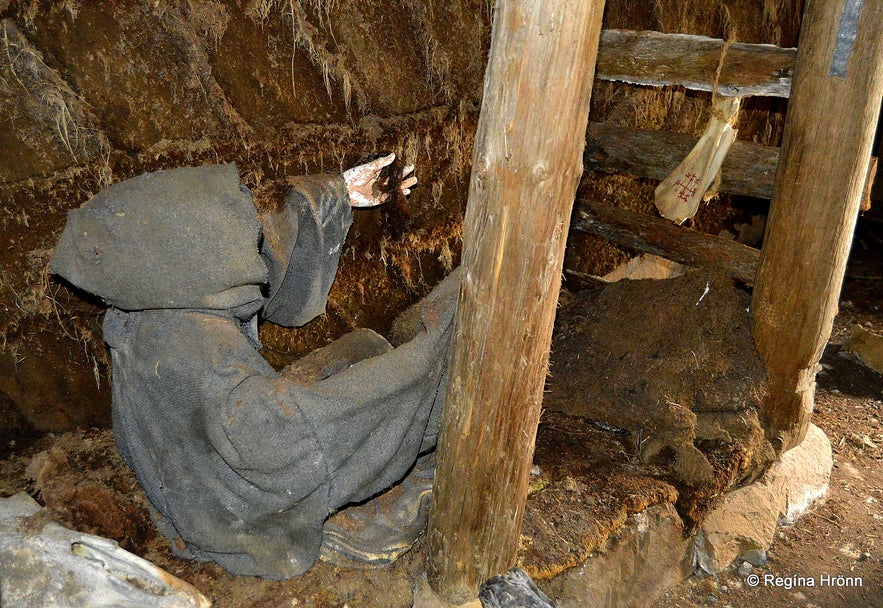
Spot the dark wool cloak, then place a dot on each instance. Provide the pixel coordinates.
(242, 465)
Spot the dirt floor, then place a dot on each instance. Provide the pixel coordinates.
(843, 537)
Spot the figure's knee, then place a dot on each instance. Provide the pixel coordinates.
(339, 355)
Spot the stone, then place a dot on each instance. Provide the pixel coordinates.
(755, 557)
(802, 474)
(513, 589)
(646, 266)
(867, 347)
(45, 564)
(646, 556)
(17, 506)
(746, 519)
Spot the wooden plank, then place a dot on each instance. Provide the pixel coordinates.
(526, 167)
(749, 169)
(829, 129)
(660, 237)
(656, 59)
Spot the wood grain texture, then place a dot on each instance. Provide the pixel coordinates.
(749, 169)
(657, 59)
(830, 124)
(660, 237)
(526, 166)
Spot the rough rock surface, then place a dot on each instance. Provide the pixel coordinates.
(646, 556)
(746, 518)
(45, 564)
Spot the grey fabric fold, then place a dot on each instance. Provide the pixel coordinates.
(302, 244)
(246, 465)
(243, 465)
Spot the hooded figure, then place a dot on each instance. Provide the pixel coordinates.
(243, 465)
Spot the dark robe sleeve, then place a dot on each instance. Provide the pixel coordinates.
(301, 245)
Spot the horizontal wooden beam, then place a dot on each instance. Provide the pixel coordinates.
(660, 237)
(749, 169)
(695, 62)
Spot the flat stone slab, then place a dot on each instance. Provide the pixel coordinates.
(746, 518)
(649, 554)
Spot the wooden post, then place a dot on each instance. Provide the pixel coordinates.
(526, 166)
(830, 124)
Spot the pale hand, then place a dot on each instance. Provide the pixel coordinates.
(360, 182)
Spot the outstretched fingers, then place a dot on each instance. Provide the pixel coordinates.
(377, 165)
(361, 181)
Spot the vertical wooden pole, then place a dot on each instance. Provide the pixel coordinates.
(829, 130)
(526, 167)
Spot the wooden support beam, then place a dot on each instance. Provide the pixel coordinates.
(526, 166)
(749, 169)
(660, 237)
(829, 129)
(656, 59)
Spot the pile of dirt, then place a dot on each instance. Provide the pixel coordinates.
(672, 366)
(839, 538)
(84, 484)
